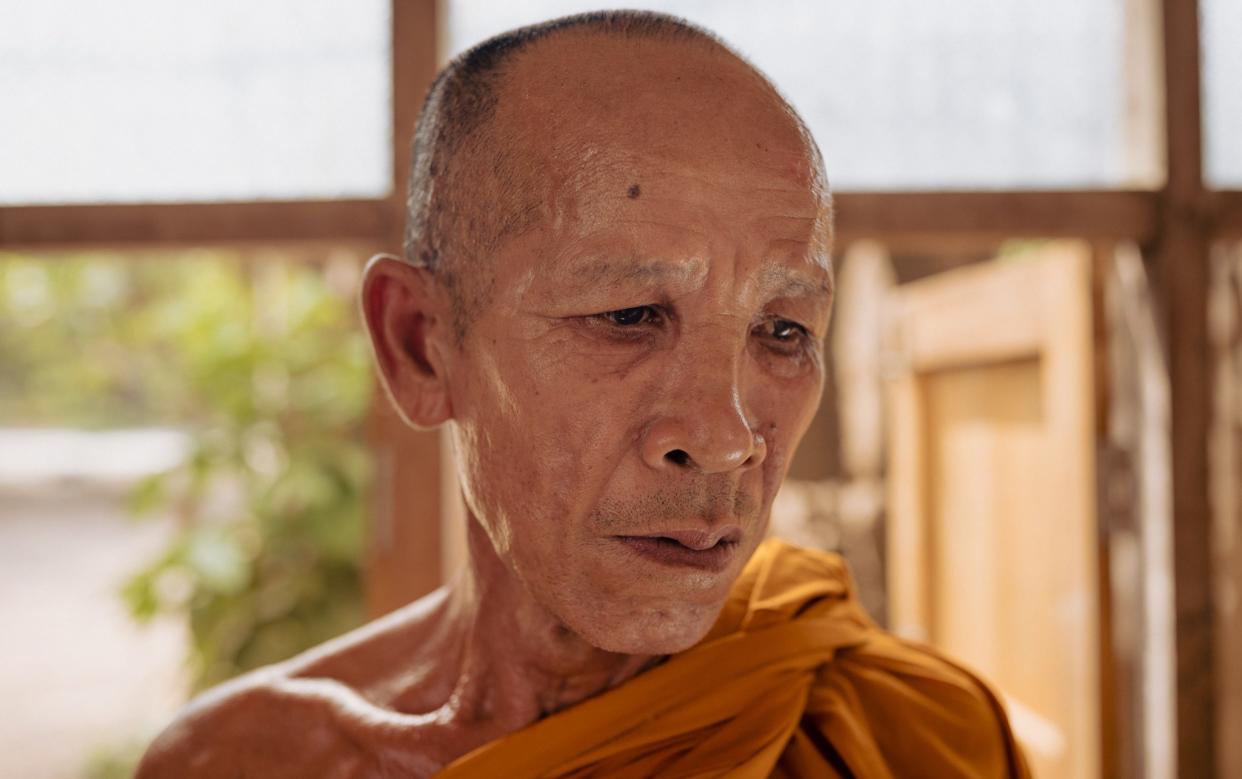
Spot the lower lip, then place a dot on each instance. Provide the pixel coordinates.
(672, 554)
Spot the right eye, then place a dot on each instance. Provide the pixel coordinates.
(631, 317)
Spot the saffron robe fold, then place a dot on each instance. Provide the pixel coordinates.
(793, 680)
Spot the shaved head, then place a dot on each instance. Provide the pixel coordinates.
(486, 144)
(623, 239)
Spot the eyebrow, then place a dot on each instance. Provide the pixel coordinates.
(789, 282)
(784, 281)
(610, 271)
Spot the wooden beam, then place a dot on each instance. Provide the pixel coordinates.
(1182, 263)
(189, 224)
(411, 494)
(1226, 214)
(898, 216)
(403, 558)
(415, 59)
(1125, 215)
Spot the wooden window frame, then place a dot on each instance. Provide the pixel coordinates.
(1175, 225)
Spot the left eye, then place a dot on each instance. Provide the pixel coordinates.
(784, 330)
(628, 317)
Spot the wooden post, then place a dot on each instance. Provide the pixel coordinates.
(407, 499)
(1182, 262)
(1226, 327)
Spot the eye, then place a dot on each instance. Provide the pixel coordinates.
(784, 330)
(785, 337)
(629, 317)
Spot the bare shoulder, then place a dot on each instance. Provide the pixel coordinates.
(317, 714)
(253, 727)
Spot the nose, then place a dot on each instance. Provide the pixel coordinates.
(704, 426)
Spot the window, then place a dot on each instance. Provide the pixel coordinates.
(149, 101)
(924, 94)
(1222, 105)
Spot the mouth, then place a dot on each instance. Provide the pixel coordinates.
(693, 549)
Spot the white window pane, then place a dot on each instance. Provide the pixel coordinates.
(905, 94)
(151, 100)
(1222, 87)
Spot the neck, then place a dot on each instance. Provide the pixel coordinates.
(517, 662)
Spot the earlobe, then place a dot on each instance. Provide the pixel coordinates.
(403, 308)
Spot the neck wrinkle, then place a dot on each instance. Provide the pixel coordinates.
(516, 662)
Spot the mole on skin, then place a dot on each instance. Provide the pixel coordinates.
(633, 192)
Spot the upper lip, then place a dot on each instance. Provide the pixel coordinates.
(698, 539)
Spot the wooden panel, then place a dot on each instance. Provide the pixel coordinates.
(987, 463)
(993, 536)
(997, 215)
(909, 549)
(955, 337)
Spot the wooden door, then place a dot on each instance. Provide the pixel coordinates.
(992, 534)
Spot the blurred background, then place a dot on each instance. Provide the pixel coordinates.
(1029, 450)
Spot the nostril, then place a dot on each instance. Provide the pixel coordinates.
(678, 457)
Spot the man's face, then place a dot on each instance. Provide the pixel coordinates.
(626, 402)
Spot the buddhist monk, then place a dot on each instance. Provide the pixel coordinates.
(615, 293)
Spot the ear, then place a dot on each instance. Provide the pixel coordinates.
(407, 317)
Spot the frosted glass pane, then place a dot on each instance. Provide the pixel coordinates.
(151, 100)
(905, 94)
(1222, 86)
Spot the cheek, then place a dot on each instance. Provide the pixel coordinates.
(785, 409)
(534, 437)
(494, 435)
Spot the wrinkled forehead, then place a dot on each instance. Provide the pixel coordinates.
(637, 143)
(758, 205)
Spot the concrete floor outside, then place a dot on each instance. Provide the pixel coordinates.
(78, 676)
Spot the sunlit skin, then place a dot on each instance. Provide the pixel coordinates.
(623, 404)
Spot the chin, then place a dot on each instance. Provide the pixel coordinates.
(654, 632)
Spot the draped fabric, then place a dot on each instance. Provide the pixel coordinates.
(793, 680)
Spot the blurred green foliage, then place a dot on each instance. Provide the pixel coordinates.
(115, 761)
(265, 367)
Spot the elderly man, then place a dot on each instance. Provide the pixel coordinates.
(617, 288)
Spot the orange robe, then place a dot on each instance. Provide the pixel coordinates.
(794, 680)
